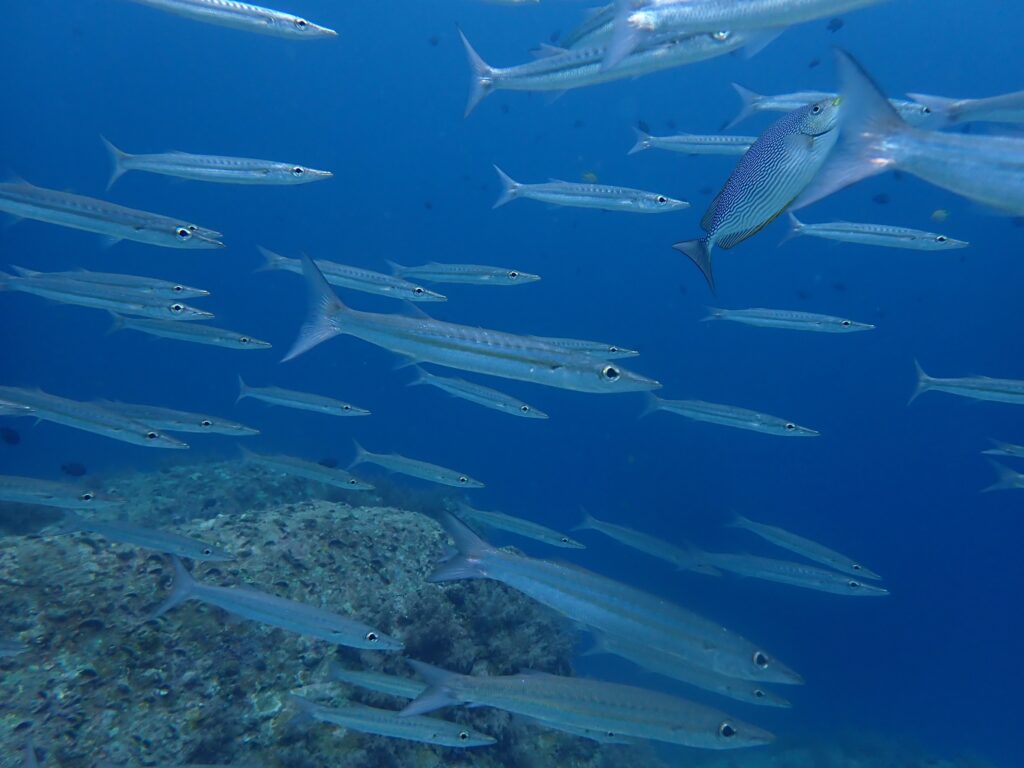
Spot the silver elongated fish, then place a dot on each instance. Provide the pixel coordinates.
(559, 70)
(88, 417)
(1000, 448)
(773, 172)
(98, 296)
(479, 394)
(518, 526)
(1004, 108)
(600, 196)
(193, 332)
(804, 547)
(986, 169)
(611, 607)
(788, 319)
(29, 490)
(147, 538)
(974, 387)
(693, 144)
(290, 615)
(10, 648)
(213, 168)
(600, 349)
(179, 421)
(730, 416)
(355, 278)
(384, 722)
(593, 704)
(465, 274)
(672, 666)
(303, 401)
(635, 22)
(27, 201)
(308, 470)
(463, 347)
(392, 685)
(1006, 479)
(422, 470)
(681, 558)
(875, 234)
(793, 574)
(754, 103)
(243, 16)
(136, 283)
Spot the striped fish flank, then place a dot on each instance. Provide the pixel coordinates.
(772, 173)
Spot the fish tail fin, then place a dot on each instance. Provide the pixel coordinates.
(181, 590)
(924, 382)
(117, 323)
(466, 564)
(362, 455)
(117, 157)
(643, 141)
(739, 521)
(868, 123)
(748, 105)
(24, 271)
(439, 691)
(998, 448)
(69, 523)
(699, 252)
(1006, 478)
(625, 36)
(324, 304)
(509, 188)
(306, 710)
(483, 76)
(652, 403)
(243, 389)
(796, 228)
(6, 278)
(395, 267)
(421, 376)
(714, 313)
(271, 260)
(587, 523)
(599, 646)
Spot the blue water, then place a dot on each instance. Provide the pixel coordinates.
(937, 662)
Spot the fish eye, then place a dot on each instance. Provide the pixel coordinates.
(524, 408)
(726, 731)
(87, 496)
(760, 660)
(854, 584)
(463, 735)
(346, 407)
(418, 291)
(845, 323)
(353, 481)
(513, 275)
(758, 693)
(721, 37)
(564, 539)
(244, 339)
(463, 479)
(301, 23)
(205, 423)
(856, 566)
(207, 551)
(372, 637)
(177, 308)
(613, 348)
(611, 373)
(941, 239)
(816, 109)
(152, 435)
(183, 234)
(661, 199)
(298, 170)
(926, 110)
(178, 288)
(790, 427)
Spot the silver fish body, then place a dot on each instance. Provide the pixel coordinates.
(518, 526)
(213, 168)
(600, 349)
(191, 332)
(1004, 108)
(693, 144)
(804, 547)
(308, 470)
(355, 278)
(392, 685)
(467, 348)
(147, 538)
(135, 283)
(788, 319)
(1000, 448)
(876, 234)
(655, 547)
(479, 394)
(243, 16)
(465, 274)
(180, 421)
(30, 490)
(599, 196)
(974, 387)
(593, 704)
(773, 172)
(116, 222)
(275, 611)
(1006, 479)
(303, 401)
(384, 722)
(421, 470)
(794, 574)
(730, 416)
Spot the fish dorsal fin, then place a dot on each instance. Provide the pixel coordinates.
(546, 50)
(709, 215)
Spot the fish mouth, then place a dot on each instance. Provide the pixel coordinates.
(323, 31)
(207, 238)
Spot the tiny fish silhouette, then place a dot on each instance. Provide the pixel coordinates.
(10, 436)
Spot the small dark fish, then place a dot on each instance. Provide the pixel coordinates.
(10, 436)
(434, 40)
(329, 463)
(814, 63)
(881, 198)
(835, 25)
(73, 468)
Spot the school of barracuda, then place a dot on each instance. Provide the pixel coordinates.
(821, 143)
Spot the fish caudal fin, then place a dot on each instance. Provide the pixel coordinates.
(587, 523)
(924, 382)
(117, 158)
(439, 692)
(181, 590)
(395, 267)
(324, 305)
(748, 105)
(796, 228)
(867, 125)
(643, 141)
(652, 403)
(421, 375)
(714, 313)
(509, 188)
(243, 389)
(362, 455)
(699, 252)
(483, 76)
(466, 564)
(271, 260)
(1006, 478)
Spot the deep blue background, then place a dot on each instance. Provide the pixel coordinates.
(937, 662)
